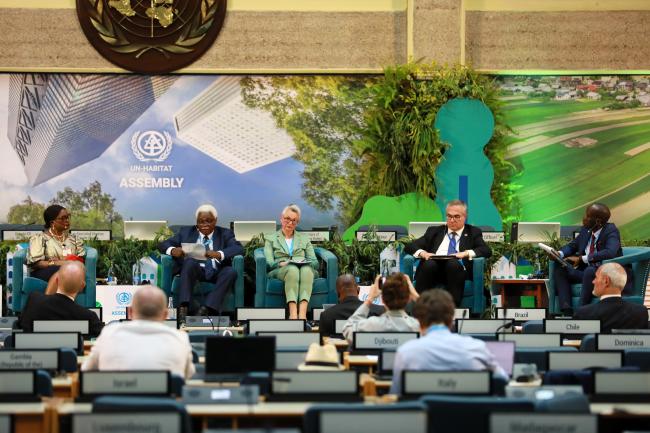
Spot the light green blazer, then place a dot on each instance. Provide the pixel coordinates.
(276, 251)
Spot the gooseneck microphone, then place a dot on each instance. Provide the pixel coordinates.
(462, 321)
(503, 327)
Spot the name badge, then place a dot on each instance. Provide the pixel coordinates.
(382, 340)
(521, 314)
(446, 382)
(127, 422)
(562, 326)
(552, 422)
(622, 341)
(29, 360)
(124, 382)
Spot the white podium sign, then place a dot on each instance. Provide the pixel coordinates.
(114, 300)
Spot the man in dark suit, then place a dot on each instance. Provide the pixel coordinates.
(348, 293)
(598, 240)
(612, 311)
(70, 280)
(457, 239)
(220, 247)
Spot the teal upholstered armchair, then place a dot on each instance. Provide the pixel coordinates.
(234, 299)
(637, 257)
(23, 284)
(269, 292)
(473, 295)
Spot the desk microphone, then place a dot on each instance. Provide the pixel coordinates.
(503, 327)
(462, 321)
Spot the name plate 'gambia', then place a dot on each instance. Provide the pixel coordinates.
(446, 382)
(622, 341)
(127, 422)
(552, 422)
(562, 326)
(29, 359)
(521, 314)
(382, 340)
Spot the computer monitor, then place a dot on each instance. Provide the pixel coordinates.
(247, 230)
(504, 354)
(143, 230)
(230, 355)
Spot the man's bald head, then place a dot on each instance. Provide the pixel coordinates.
(346, 286)
(71, 278)
(596, 216)
(149, 303)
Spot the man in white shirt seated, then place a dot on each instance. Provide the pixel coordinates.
(438, 348)
(144, 343)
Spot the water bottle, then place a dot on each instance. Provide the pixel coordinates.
(356, 273)
(171, 311)
(136, 274)
(110, 277)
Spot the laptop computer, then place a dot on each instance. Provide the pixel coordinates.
(504, 354)
(142, 230)
(229, 359)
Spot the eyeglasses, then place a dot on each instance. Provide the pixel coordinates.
(63, 218)
(456, 217)
(290, 220)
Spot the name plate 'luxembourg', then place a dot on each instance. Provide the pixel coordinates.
(127, 422)
(552, 422)
(446, 382)
(521, 314)
(622, 341)
(561, 326)
(29, 359)
(382, 340)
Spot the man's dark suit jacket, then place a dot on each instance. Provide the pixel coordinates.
(222, 240)
(56, 307)
(615, 313)
(343, 311)
(472, 239)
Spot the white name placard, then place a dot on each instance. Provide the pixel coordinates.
(533, 340)
(16, 382)
(126, 422)
(338, 326)
(623, 341)
(483, 326)
(446, 382)
(114, 299)
(89, 235)
(582, 360)
(261, 314)
(562, 326)
(382, 340)
(47, 340)
(521, 314)
(298, 382)
(80, 326)
(255, 326)
(316, 312)
(551, 422)
(461, 313)
(628, 382)
(494, 236)
(120, 382)
(29, 359)
(293, 340)
(317, 236)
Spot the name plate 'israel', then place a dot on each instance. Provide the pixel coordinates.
(521, 314)
(533, 340)
(562, 326)
(117, 422)
(382, 340)
(446, 382)
(29, 359)
(582, 360)
(622, 341)
(628, 382)
(551, 422)
(124, 382)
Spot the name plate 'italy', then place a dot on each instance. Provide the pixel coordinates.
(124, 382)
(127, 422)
(521, 314)
(556, 423)
(561, 326)
(382, 340)
(622, 341)
(29, 359)
(446, 382)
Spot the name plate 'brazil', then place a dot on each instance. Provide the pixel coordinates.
(151, 36)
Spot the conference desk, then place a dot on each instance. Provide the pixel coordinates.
(30, 417)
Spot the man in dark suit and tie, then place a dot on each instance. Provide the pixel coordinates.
(457, 239)
(220, 247)
(612, 311)
(70, 280)
(598, 240)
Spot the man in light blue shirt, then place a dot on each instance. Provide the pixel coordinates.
(439, 348)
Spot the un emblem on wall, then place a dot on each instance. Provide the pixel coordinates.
(151, 36)
(151, 145)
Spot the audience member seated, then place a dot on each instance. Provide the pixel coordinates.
(438, 348)
(348, 293)
(69, 281)
(144, 343)
(598, 240)
(456, 238)
(396, 292)
(54, 246)
(220, 247)
(612, 311)
(291, 258)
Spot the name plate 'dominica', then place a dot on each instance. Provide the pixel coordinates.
(127, 422)
(552, 422)
(562, 326)
(446, 382)
(124, 382)
(29, 359)
(521, 313)
(622, 341)
(382, 340)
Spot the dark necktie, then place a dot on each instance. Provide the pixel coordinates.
(592, 245)
(452, 244)
(209, 269)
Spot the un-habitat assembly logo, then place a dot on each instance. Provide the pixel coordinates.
(151, 148)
